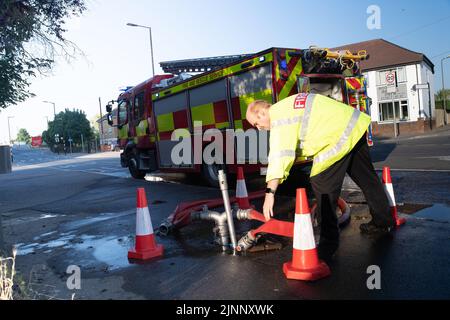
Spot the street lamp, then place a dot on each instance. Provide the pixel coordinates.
(443, 89)
(9, 130)
(151, 45)
(54, 108)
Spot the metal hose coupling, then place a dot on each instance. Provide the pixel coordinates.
(246, 242)
(242, 214)
(165, 228)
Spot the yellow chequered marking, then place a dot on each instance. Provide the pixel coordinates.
(203, 113)
(165, 122)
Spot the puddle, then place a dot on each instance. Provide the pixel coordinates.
(438, 212)
(47, 216)
(410, 208)
(43, 235)
(111, 250)
(24, 249)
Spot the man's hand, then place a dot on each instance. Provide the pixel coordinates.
(270, 199)
(268, 206)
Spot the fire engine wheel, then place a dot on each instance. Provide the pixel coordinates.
(134, 170)
(210, 173)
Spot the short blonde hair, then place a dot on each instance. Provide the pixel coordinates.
(256, 105)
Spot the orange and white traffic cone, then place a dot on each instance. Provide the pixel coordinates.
(241, 190)
(305, 264)
(145, 246)
(389, 189)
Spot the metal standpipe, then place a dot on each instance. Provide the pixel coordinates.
(220, 229)
(226, 201)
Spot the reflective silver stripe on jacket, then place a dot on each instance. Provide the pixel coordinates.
(342, 140)
(282, 154)
(306, 117)
(285, 122)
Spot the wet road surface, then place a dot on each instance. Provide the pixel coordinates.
(61, 216)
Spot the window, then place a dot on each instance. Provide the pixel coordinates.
(122, 112)
(138, 108)
(401, 74)
(386, 112)
(381, 76)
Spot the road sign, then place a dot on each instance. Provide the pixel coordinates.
(420, 86)
(390, 77)
(391, 81)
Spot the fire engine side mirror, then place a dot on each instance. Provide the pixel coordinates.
(110, 119)
(108, 108)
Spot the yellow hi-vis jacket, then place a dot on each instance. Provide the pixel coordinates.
(305, 126)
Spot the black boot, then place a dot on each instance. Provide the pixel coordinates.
(326, 249)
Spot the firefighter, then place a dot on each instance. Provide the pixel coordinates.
(332, 134)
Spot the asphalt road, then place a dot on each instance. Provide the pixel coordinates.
(63, 211)
(428, 153)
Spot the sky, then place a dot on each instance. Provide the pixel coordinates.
(116, 55)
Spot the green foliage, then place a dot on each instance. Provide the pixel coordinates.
(26, 23)
(439, 99)
(68, 124)
(23, 136)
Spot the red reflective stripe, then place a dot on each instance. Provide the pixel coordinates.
(293, 91)
(165, 135)
(220, 111)
(290, 68)
(180, 119)
(246, 125)
(209, 126)
(354, 83)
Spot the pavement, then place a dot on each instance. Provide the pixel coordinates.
(435, 132)
(80, 211)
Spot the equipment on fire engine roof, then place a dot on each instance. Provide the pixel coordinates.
(170, 81)
(321, 59)
(200, 64)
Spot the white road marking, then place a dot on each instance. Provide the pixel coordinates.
(416, 170)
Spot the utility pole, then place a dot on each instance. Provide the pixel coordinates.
(82, 143)
(395, 116)
(444, 98)
(101, 120)
(391, 81)
(429, 105)
(9, 131)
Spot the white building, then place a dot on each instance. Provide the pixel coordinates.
(412, 107)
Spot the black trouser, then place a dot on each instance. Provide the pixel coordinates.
(327, 189)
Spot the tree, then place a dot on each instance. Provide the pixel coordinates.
(439, 98)
(31, 36)
(23, 136)
(68, 125)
